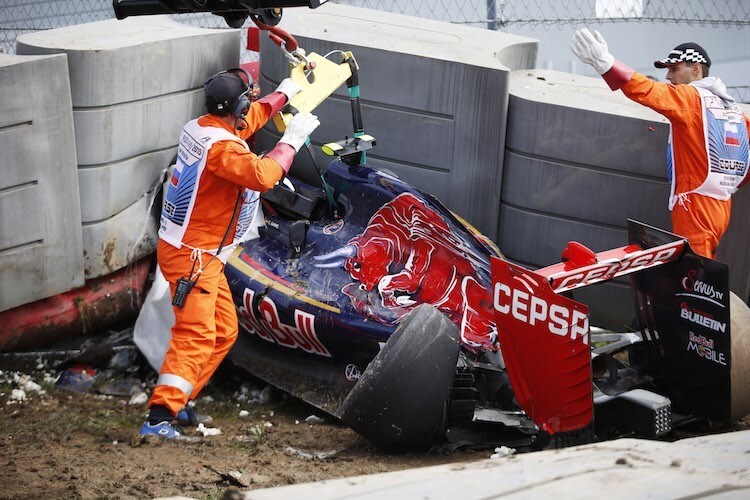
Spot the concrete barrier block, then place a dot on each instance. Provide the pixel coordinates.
(579, 120)
(578, 191)
(116, 133)
(40, 224)
(111, 187)
(576, 149)
(134, 84)
(117, 61)
(112, 244)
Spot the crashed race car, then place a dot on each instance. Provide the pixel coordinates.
(370, 300)
(404, 322)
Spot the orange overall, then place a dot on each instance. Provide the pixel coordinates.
(206, 327)
(699, 218)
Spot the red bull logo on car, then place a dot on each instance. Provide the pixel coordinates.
(269, 326)
(409, 255)
(705, 348)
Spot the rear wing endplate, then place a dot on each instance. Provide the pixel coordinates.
(544, 336)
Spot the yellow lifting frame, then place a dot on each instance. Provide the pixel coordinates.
(325, 78)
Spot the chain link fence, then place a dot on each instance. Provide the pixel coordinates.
(23, 16)
(499, 14)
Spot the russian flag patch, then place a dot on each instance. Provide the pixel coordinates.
(731, 134)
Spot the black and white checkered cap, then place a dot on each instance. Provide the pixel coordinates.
(691, 52)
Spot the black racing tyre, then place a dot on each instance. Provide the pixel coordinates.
(398, 402)
(740, 379)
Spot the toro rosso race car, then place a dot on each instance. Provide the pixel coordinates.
(368, 299)
(401, 320)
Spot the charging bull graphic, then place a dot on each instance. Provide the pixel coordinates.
(408, 255)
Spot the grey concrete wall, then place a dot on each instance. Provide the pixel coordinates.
(580, 160)
(40, 223)
(578, 151)
(134, 84)
(433, 94)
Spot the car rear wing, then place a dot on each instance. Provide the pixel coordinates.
(585, 267)
(545, 336)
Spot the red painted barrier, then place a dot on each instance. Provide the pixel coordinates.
(100, 303)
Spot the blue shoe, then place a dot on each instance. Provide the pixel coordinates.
(187, 416)
(162, 429)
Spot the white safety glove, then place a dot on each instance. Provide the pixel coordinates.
(301, 126)
(288, 88)
(592, 49)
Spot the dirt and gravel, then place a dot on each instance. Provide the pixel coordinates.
(57, 443)
(79, 439)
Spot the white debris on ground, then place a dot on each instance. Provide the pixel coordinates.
(24, 382)
(138, 398)
(310, 455)
(17, 395)
(22, 386)
(208, 431)
(254, 396)
(503, 451)
(247, 395)
(314, 419)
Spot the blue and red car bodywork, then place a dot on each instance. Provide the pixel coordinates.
(319, 296)
(367, 298)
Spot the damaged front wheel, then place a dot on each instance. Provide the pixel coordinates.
(398, 401)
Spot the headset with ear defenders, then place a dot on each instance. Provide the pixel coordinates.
(241, 104)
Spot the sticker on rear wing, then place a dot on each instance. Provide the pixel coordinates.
(611, 264)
